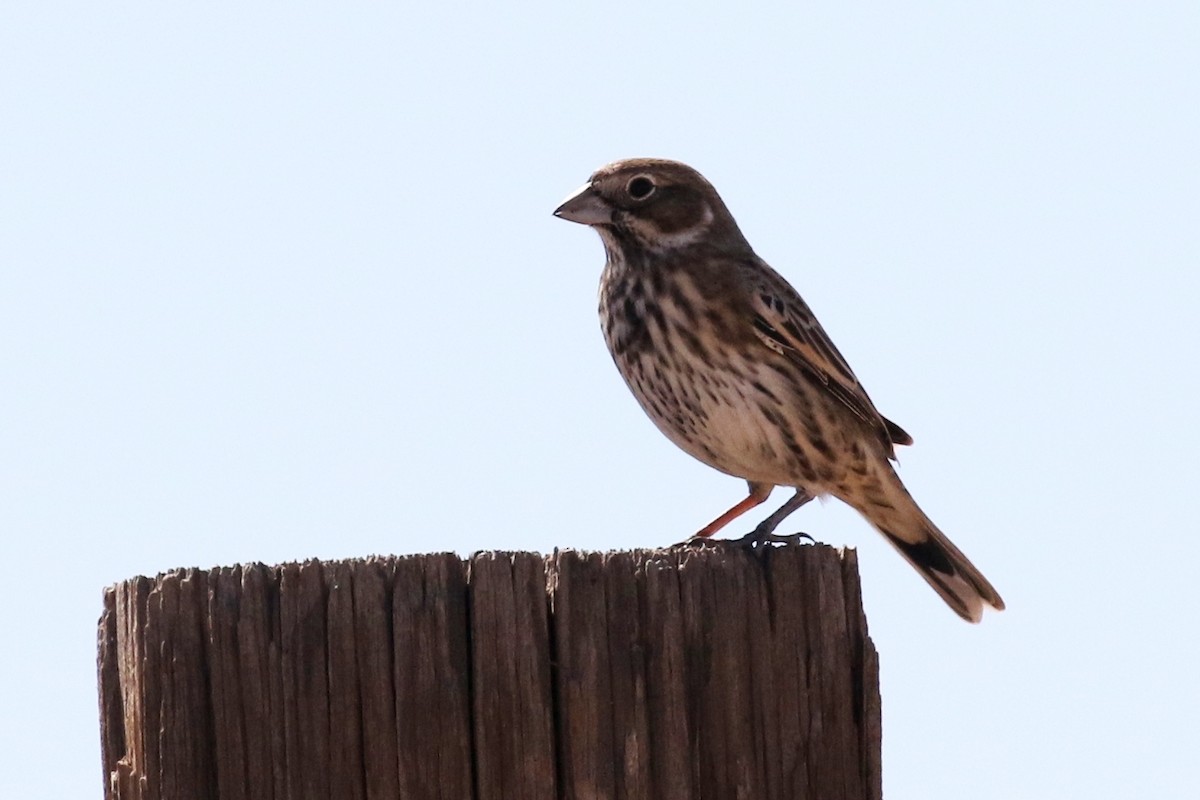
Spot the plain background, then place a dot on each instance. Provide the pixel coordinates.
(282, 281)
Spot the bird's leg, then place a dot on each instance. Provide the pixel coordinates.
(759, 492)
(765, 532)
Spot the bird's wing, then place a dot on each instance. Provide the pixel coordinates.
(784, 322)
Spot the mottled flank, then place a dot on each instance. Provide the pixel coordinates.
(733, 367)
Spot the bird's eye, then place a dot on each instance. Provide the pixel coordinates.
(640, 187)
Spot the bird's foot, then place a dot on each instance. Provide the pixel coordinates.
(758, 539)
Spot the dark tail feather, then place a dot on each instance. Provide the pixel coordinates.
(949, 572)
(893, 512)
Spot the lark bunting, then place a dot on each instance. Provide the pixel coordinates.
(730, 363)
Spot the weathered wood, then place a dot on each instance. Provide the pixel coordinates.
(432, 677)
(511, 659)
(646, 675)
(375, 660)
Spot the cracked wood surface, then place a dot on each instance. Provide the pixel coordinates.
(647, 675)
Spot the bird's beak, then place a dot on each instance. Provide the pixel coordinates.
(585, 207)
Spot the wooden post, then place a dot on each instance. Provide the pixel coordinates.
(650, 675)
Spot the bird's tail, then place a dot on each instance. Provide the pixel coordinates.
(890, 508)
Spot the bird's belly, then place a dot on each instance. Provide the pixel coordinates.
(738, 422)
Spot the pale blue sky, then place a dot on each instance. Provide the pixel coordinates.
(284, 283)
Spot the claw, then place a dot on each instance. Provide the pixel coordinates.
(755, 540)
(758, 539)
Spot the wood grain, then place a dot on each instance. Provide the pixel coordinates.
(645, 675)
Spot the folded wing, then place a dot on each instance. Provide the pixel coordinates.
(785, 323)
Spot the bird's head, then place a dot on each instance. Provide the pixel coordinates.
(651, 203)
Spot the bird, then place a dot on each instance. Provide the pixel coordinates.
(732, 366)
